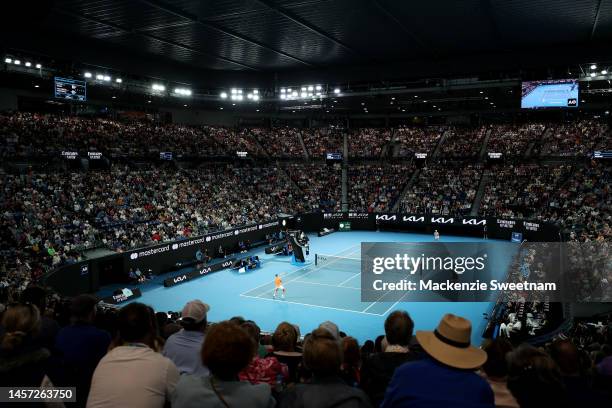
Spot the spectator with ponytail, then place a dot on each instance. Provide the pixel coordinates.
(23, 362)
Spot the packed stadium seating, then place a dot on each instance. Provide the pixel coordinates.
(447, 189)
(49, 217)
(376, 188)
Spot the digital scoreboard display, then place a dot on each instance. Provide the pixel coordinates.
(553, 93)
(72, 89)
(334, 156)
(605, 155)
(165, 155)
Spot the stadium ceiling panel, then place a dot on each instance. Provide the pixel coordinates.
(301, 35)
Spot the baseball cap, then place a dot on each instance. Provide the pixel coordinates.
(195, 310)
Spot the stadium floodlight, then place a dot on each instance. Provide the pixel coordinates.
(8, 60)
(223, 95)
(107, 78)
(283, 96)
(593, 66)
(318, 87)
(255, 97)
(233, 91)
(28, 64)
(318, 93)
(182, 91)
(239, 91)
(283, 90)
(158, 87)
(337, 91)
(87, 75)
(593, 74)
(99, 77)
(38, 66)
(310, 88)
(481, 92)
(255, 91)
(304, 89)
(289, 90)
(604, 71)
(239, 97)
(17, 62)
(118, 80)
(304, 95)
(249, 96)
(294, 94)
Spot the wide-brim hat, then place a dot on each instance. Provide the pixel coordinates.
(450, 344)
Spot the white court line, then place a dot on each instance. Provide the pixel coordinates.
(297, 270)
(309, 304)
(377, 300)
(344, 281)
(325, 284)
(395, 304)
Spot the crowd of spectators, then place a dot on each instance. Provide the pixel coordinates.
(31, 135)
(522, 191)
(139, 358)
(320, 141)
(444, 189)
(368, 142)
(319, 184)
(413, 139)
(53, 216)
(514, 140)
(236, 140)
(463, 142)
(375, 187)
(577, 197)
(282, 142)
(576, 138)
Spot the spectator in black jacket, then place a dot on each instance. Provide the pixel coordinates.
(323, 357)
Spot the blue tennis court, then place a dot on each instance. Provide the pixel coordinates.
(314, 294)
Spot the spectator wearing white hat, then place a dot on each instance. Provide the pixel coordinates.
(184, 347)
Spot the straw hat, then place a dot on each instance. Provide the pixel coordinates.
(449, 343)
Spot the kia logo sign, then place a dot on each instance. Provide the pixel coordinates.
(226, 264)
(385, 217)
(474, 221)
(134, 255)
(442, 220)
(180, 278)
(174, 246)
(205, 271)
(413, 218)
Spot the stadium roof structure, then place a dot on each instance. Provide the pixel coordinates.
(341, 39)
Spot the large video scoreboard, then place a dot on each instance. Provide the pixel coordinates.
(73, 89)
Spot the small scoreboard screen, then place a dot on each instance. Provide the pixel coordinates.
(554, 93)
(66, 88)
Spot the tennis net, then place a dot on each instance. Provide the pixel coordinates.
(338, 263)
